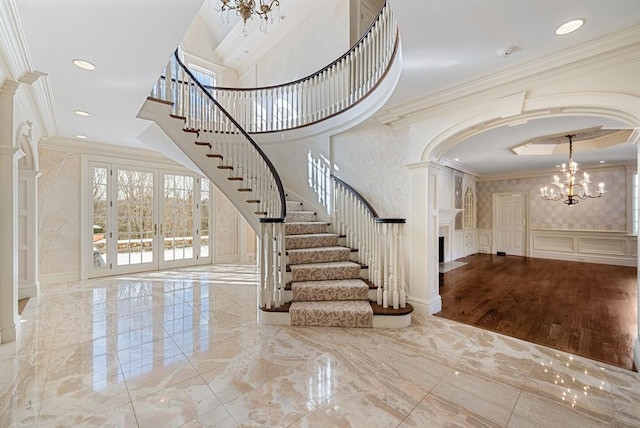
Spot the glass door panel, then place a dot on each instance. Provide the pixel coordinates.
(205, 214)
(177, 229)
(135, 219)
(99, 219)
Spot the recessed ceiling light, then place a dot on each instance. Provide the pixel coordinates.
(82, 113)
(457, 159)
(82, 137)
(569, 27)
(557, 166)
(85, 65)
(602, 161)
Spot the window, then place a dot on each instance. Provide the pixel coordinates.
(469, 209)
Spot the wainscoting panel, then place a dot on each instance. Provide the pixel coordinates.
(552, 242)
(613, 248)
(484, 241)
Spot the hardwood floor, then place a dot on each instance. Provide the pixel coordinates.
(582, 308)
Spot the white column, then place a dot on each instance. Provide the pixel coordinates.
(28, 283)
(9, 155)
(635, 138)
(422, 231)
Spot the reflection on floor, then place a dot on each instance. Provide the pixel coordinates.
(448, 266)
(184, 348)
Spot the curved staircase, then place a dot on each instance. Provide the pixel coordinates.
(312, 273)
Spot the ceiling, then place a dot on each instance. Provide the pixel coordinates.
(445, 43)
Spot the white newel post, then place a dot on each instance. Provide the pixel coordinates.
(9, 155)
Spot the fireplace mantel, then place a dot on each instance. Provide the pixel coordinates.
(446, 215)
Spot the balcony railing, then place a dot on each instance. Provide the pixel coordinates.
(330, 91)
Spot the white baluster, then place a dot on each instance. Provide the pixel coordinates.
(385, 266)
(403, 283)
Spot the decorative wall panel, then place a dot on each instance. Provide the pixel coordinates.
(607, 213)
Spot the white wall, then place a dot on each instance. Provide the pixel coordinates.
(304, 52)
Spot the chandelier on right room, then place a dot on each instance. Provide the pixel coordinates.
(571, 191)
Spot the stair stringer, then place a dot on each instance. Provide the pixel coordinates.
(160, 113)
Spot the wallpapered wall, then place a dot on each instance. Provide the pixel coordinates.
(59, 214)
(606, 213)
(358, 156)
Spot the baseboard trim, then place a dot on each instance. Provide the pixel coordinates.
(9, 332)
(581, 258)
(54, 278)
(424, 307)
(28, 292)
(636, 353)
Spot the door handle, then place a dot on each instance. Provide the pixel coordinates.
(524, 221)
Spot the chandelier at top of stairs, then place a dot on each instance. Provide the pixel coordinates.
(247, 9)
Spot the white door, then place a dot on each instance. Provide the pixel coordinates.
(510, 223)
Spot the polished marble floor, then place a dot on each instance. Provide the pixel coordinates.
(184, 348)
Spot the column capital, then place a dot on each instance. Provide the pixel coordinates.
(9, 87)
(11, 151)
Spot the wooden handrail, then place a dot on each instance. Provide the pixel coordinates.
(363, 200)
(324, 94)
(265, 158)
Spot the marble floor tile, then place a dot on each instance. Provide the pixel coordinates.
(357, 405)
(175, 405)
(242, 376)
(550, 413)
(218, 418)
(163, 349)
(272, 404)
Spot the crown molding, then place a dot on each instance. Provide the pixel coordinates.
(108, 150)
(615, 48)
(549, 173)
(13, 47)
(459, 167)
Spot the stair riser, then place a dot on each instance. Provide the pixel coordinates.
(323, 274)
(371, 295)
(310, 241)
(311, 256)
(327, 275)
(329, 293)
(293, 206)
(293, 216)
(302, 229)
(342, 314)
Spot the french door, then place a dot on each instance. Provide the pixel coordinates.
(147, 219)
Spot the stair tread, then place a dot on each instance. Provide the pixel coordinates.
(308, 222)
(314, 235)
(333, 282)
(333, 303)
(326, 265)
(332, 248)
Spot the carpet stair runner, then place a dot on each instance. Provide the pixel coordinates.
(326, 285)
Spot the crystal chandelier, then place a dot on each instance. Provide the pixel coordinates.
(568, 188)
(246, 9)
